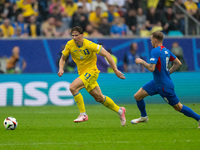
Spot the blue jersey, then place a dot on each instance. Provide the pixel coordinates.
(161, 57)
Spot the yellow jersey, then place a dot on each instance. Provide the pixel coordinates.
(105, 14)
(94, 18)
(70, 10)
(27, 8)
(7, 32)
(190, 5)
(84, 56)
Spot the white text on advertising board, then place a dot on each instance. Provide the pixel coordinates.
(36, 97)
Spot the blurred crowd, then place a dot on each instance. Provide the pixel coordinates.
(98, 18)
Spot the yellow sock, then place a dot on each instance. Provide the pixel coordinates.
(80, 103)
(108, 102)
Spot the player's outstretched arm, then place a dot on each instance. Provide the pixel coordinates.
(110, 60)
(150, 67)
(176, 64)
(61, 65)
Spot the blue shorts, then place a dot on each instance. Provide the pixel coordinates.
(168, 95)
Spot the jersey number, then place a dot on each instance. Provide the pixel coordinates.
(167, 63)
(167, 60)
(87, 76)
(86, 52)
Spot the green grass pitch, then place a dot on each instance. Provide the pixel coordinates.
(52, 127)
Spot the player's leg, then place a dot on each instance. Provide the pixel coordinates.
(139, 97)
(108, 102)
(147, 89)
(187, 111)
(170, 97)
(105, 100)
(83, 81)
(75, 86)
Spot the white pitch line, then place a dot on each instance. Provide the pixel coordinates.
(99, 142)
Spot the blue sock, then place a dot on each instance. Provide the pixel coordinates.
(190, 113)
(141, 106)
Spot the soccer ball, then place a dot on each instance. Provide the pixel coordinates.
(10, 123)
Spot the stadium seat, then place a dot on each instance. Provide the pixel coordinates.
(175, 33)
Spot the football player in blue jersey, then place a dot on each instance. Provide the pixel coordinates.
(162, 83)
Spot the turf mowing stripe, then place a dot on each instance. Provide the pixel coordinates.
(107, 142)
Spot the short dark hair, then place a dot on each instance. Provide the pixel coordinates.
(158, 35)
(97, 7)
(78, 29)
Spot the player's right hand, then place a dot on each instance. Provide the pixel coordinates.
(138, 60)
(119, 74)
(60, 73)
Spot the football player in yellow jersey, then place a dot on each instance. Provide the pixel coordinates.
(83, 53)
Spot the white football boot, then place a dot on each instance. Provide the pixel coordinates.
(139, 120)
(122, 116)
(81, 118)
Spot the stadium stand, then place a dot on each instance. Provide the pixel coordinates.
(178, 15)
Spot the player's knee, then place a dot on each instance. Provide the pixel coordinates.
(72, 89)
(178, 107)
(137, 97)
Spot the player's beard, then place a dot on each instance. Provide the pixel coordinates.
(153, 45)
(76, 42)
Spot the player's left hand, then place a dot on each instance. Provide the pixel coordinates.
(119, 74)
(138, 60)
(60, 73)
